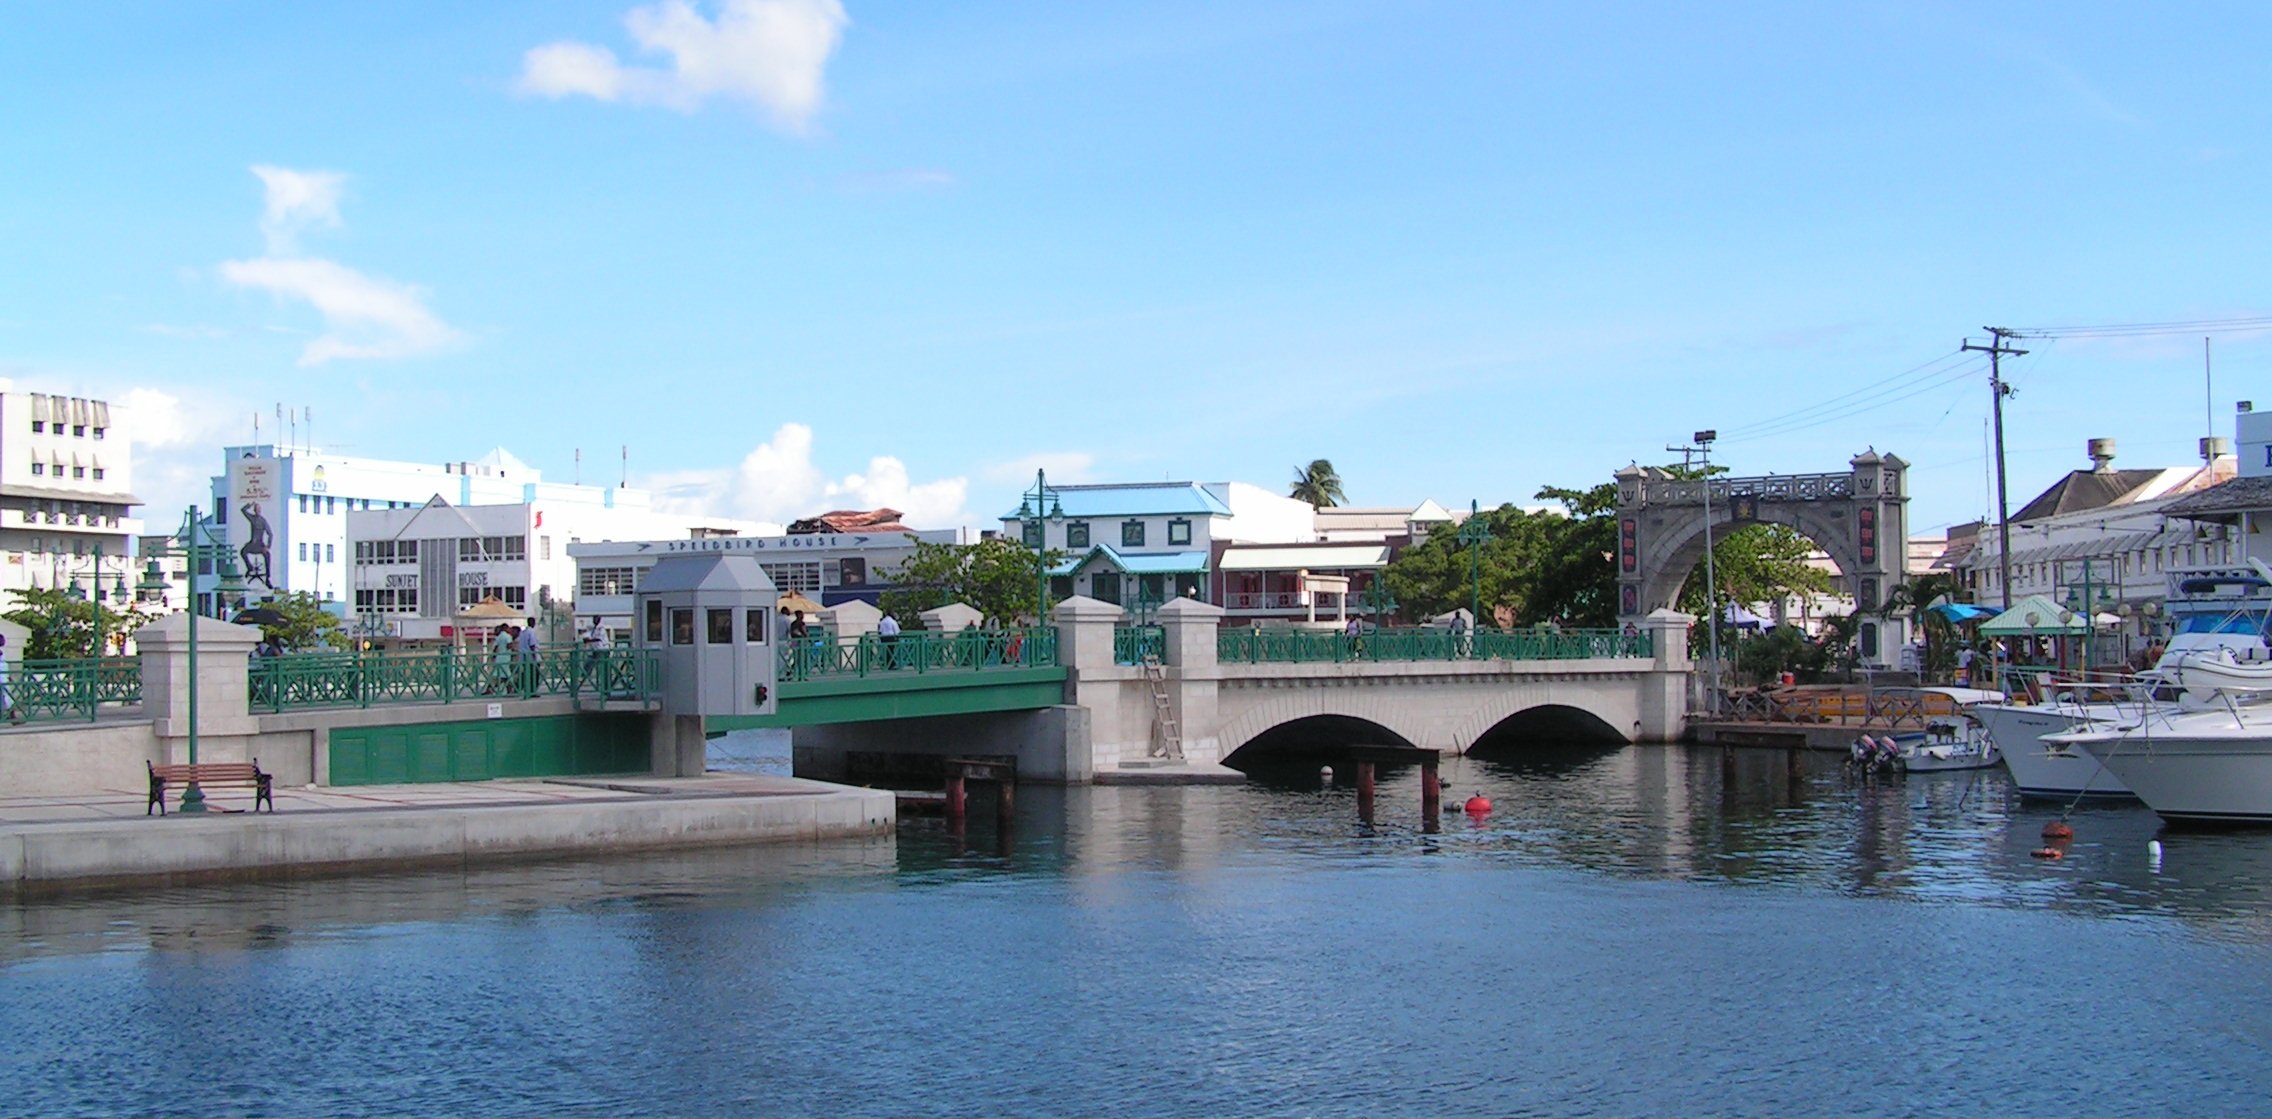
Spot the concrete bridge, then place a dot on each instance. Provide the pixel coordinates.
(1111, 715)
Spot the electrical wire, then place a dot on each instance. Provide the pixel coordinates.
(1923, 370)
(2146, 329)
(1944, 381)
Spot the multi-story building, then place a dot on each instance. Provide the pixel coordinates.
(828, 567)
(413, 569)
(285, 510)
(1152, 541)
(66, 494)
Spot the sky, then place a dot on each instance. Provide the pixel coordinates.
(770, 257)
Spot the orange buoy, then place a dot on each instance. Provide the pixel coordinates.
(2057, 830)
(2048, 853)
(1478, 805)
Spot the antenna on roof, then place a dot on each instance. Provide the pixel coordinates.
(579, 466)
(624, 481)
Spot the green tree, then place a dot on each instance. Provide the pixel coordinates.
(63, 626)
(1756, 563)
(307, 626)
(1942, 639)
(1538, 565)
(1319, 484)
(996, 576)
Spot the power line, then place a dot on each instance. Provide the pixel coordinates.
(1943, 381)
(1923, 370)
(2147, 329)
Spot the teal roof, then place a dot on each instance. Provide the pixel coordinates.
(1136, 499)
(1153, 563)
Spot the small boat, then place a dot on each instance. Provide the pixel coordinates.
(2205, 759)
(1947, 743)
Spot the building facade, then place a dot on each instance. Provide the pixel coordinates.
(829, 568)
(67, 503)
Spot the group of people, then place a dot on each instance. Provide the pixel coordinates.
(512, 659)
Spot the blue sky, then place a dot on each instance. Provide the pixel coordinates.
(799, 256)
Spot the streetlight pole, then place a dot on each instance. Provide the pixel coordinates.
(1036, 504)
(1711, 578)
(1475, 534)
(192, 544)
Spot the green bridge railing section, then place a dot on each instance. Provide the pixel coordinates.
(1134, 644)
(303, 680)
(73, 689)
(821, 657)
(1291, 646)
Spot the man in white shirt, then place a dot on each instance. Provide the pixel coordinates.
(524, 655)
(887, 628)
(7, 701)
(596, 644)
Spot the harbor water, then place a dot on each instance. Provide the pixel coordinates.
(1636, 931)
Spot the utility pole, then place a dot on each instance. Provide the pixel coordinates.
(1702, 453)
(1997, 391)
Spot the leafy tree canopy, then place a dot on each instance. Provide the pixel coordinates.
(63, 627)
(1538, 565)
(996, 576)
(307, 626)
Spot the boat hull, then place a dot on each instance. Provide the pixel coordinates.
(2039, 769)
(2204, 780)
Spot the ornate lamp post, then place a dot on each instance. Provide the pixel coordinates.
(196, 540)
(1036, 505)
(80, 593)
(1145, 602)
(2083, 602)
(1381, 599)
(1473, 535)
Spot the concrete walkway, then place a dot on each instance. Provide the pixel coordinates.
(103, 838)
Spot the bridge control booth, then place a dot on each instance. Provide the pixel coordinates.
(710, 617)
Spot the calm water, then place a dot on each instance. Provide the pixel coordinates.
(1638, 932)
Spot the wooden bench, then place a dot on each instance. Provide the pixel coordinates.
(242, 775)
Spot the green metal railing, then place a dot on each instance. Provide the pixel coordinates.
(1293, 646)
(967, 650)
(303, 680)
(1132, 644)
(74, 689)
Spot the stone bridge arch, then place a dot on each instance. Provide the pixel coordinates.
(1447, 714)
(1858, 517)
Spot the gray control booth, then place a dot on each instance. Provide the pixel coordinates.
(711, 617)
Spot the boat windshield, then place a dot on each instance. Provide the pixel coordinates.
(2240, 622)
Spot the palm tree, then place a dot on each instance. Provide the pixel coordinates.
(1319, 484)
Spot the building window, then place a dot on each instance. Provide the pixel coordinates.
(1060, 587)
(604, 580)
(721, 625)
(98, 433)
(682, 625)
(794, 576)
(39, 468)
(98, 474)
(1032, 533)
(1179, 531)
(303, 551)
(654, 621)
(1131, 534)
(328, 555)
(39, 427)
(78, 471)
(544, 547)
(1076, 534)
(755, 624)
(78, 429)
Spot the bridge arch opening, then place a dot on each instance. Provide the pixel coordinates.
(1550, 733)
(1308, 741)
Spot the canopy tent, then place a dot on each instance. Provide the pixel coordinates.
(1958, 613)
(795, 601)
(1735, 615)
(2035, 616)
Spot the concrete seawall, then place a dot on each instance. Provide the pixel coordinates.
(647, 815)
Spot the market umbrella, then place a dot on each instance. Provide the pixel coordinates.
(1960, 612)
(796, 600)
(489, 610)
(261, 616)
(2035, 616)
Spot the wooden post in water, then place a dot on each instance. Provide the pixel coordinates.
(955, 804)
(1431, 795)
(1365, 792)
(1005, 805)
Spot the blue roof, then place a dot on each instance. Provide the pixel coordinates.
(1135, 499)
(1153, 563)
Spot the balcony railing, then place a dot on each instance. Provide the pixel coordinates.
(1292, 646)
(821, 656)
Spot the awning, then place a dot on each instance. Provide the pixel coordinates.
(1312, 557)
(2035, 616)
(70, 495)
(1960, 612)
(1155, 563)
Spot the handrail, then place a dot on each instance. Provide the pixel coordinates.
(365, 679)
(73, 688)
(1422, 643)
(868, 654)
(1134, 644)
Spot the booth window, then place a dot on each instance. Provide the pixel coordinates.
(755, 625)
(654, 621)
(721, 623)
(682, 625)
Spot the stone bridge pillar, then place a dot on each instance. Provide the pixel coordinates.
(224, 715)
(1664, 691)
(1190, 635)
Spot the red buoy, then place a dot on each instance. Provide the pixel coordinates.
(2048, 853)
(2057, 830)
(1478, 805)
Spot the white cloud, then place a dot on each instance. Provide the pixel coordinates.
(296, 201)
(777, 481)
(177, 440)
(364, 316)
(189, 333)
(769, 53)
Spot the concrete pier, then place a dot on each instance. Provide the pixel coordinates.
(50, 843)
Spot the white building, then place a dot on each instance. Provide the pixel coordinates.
(1126, 542)
(411, 569)
(66, 494)
(284, 510)
(829, 567)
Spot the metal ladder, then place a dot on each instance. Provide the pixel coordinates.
(1167, 741)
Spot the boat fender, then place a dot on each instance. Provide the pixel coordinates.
(2048, 853)
(2058, 830)
(1478, 805)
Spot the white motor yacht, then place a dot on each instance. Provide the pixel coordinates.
(2203, 762)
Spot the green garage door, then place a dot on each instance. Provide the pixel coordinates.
(555, 746)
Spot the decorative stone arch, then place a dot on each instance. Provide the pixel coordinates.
(1433, 716)
(1860, 518)
(1295, 704)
